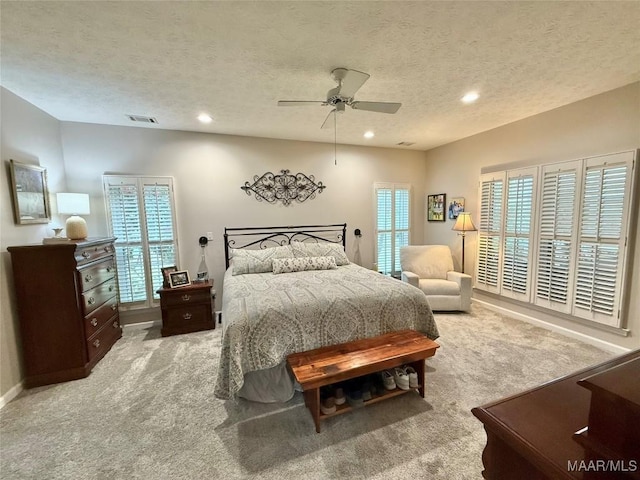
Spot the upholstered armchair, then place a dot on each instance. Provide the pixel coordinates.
(430, 268)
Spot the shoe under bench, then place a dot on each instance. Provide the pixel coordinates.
(336, 363)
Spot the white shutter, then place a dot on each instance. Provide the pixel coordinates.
(393, 224)
(489, 232)
(517, 234)
(139, 255)
(603, 219)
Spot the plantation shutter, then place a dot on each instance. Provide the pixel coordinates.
(392, 225)
(489, 233)
(602, 237)
(556, 243)
(517, 234)
(140, 216)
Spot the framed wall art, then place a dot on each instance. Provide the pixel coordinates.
(435, 207)
(30, 193)
(456, 207)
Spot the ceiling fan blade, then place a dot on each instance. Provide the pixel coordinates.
(298, 103)
(330, 121)
(351, 80)
(381, 107)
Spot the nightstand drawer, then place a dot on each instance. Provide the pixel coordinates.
(100, 316)
(97, 274)
(95, 297)
(188, 315)
(186, 297)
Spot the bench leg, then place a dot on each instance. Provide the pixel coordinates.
(312, 401)
(419, 368)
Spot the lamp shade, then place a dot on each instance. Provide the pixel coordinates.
(464, 223)
(73, 203)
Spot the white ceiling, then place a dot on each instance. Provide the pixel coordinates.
(95, 61)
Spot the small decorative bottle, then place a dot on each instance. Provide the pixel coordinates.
(203, 271)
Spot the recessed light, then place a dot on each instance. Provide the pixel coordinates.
(369, 134)
(204, 118)
(470, 97)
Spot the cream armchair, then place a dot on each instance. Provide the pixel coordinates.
(430, 268)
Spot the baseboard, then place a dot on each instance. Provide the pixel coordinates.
(596, 342)
(11, 394)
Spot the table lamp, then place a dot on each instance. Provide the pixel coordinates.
(74, 204)
(464, 224)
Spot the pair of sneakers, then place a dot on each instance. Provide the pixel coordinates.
(405, 377)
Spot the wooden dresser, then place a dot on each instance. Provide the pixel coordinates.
(67, 299)
(540, 434)
(186, 309)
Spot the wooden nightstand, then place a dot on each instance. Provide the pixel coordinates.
(186, 309)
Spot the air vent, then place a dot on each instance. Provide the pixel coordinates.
(405, 144)
(142, 119)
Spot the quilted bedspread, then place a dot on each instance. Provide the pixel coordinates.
(267, 317)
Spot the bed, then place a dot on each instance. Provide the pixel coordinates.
(292, 289)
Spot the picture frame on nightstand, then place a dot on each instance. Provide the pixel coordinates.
(179, 279)
(165, 275)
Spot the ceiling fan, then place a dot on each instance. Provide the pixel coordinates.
(349, 82)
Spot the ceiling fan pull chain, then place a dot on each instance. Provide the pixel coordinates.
(335, 137)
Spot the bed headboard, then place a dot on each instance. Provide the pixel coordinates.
(264, 237)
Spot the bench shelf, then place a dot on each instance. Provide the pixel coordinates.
(330, 365)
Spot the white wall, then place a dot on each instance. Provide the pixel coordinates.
(605, 123)
(28, 135)
(209, 170)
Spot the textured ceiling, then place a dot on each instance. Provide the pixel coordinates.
(96, 61)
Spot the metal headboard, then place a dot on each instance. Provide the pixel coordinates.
(264, 237)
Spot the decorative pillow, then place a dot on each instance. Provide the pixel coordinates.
(300, 264)
(257, 261)
(303, 249)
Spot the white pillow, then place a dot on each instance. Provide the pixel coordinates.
(313, 249)
(288, 265)
(257, 261)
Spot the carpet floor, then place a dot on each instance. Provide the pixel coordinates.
(147, 411)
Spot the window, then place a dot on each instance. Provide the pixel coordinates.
(393, 225)
(141, 216)
(572, 246)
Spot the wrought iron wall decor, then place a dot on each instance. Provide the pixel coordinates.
(283, 187)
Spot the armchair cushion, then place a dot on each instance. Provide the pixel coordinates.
(436, 286)
(427, 261)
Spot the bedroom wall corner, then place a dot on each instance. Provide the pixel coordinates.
(28, 135)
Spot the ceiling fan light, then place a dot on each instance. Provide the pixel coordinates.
(205, 118)
(470, 97)
(369, 134)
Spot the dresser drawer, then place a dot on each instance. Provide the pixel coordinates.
(97, 273)
(187, 315)
(93, 253)
(186, 297)
(100, 316)
(102, 341)
(95, 297)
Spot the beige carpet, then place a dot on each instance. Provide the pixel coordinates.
(147, 411)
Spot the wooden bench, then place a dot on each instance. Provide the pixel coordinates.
(328, 365)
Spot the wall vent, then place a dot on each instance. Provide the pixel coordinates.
(142, 118)
(405, 144)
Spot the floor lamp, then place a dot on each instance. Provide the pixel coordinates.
(463, 225)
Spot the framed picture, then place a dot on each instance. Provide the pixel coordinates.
(456, 206)
(30, 193)
(179, 279)
(435, 207)
(165, 275)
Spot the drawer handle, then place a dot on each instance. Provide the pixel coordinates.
(91, 301)
(111, 288)
(96, 343)
(107, 249)
(94, 322)
(88, 278)
(109, 268)
(186, 316)
(114, 307)
(86, 254)
(186, 297)
(115, 324)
